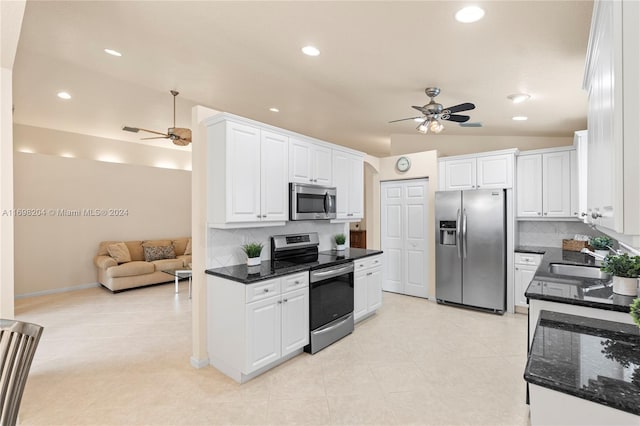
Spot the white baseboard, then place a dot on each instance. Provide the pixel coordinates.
(199, 363)
(57, 290)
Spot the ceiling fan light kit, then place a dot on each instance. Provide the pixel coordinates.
(179, 135)
(433, 113)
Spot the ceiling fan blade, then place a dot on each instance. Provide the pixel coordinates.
(137, 129)
(457, 118)
(155, 137)
(403, 119)
(462, 107)
(421, 109)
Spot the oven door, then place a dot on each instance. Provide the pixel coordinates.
(308, 202)
(331, 294)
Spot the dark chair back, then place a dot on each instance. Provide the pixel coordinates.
(18, 342)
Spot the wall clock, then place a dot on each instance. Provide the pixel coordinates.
(403, 164)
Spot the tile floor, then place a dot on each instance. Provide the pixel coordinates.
(123, 359)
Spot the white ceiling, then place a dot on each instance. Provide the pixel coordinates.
(244, 57)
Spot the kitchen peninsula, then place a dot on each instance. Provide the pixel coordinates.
(584, 350)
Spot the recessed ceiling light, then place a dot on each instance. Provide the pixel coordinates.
(516, 98)
(519, 118)
(64, 95)
(310, 51)
(274, 110)
(112, 52)
(469, 14)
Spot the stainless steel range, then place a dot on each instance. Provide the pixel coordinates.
(330, 286)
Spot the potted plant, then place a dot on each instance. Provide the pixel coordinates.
(253, 251)
(625, 270)
(601, 245)
(340, 241)
(635, 311)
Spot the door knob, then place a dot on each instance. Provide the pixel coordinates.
(596, 215)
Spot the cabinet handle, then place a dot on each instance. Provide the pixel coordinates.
(369, 273)
(266, 290)
(517, 269)
(539, 214)
(310, 180)
(264, 215)
(279, 302)
(258, 216)
(285, 300)
(478, 186)
(361, 265)
(296, 282)
(375, 261)
(315, 180)
(596, 215)
(545, 213)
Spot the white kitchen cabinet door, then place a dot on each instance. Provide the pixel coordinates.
(556, 184)
(243, 173)
(300, 170)
(529, 185)
(581, 174)
(262, 331)
(460, 174)
(374, 289)
(321, 162)
(295, 320)
(495, 171)
(359, 295)
(341, 177)
(274, 197)
(523, 276)
(356, 187)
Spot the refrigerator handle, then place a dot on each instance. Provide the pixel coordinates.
(464, 234)
(458, 234)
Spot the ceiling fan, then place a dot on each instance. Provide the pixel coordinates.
(178, 135)
(433, 112)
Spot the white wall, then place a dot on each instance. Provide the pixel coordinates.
(41, 140)
(11, 14)
(448, 145)
(54, 252)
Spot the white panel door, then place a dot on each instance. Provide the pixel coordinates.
(404, 236)
(460, 174)
(243, 173)
(295, 320)
(556, 184)
(529, 185)
(274, 200)
(415, 231)
(391, 199)
(262, 322)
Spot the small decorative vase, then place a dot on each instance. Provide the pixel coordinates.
(625, 286)
(253, 261)
(341, 247)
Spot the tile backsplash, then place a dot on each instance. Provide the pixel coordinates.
(224, 245)
(551, 234)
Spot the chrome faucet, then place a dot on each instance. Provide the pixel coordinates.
(595, 255)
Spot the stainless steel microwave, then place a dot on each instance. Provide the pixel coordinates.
(311, 202)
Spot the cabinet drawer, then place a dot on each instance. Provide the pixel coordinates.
(367, 262)
(262, 290)
(527, 259)
(294, 282)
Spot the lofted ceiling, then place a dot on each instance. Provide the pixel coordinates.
(244, 58)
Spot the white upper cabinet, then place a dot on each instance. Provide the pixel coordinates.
(611, 79)
(309, 163)
(247, 175)
(348, 179)
(544, 184)
(477, 171)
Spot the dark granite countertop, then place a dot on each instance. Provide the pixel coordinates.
(589, 292)
(592, 359)
(530, 249)
(250, 274)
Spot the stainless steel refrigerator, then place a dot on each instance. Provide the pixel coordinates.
(471, 248)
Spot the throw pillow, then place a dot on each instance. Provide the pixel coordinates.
(152, 253)
(119, 252)
(188, 249)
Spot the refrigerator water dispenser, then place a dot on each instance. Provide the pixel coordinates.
(448, 233)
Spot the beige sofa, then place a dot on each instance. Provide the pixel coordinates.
(117, 271)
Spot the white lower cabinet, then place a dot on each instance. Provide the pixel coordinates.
(253, 327)
(367, 286)
(525, 265)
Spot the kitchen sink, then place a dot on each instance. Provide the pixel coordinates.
(578, 271)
